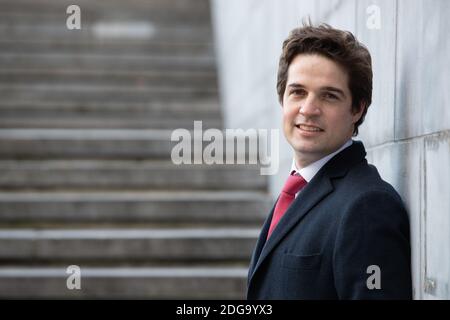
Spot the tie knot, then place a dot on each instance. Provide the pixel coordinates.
(294, 184)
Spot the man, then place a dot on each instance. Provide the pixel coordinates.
(337, 230)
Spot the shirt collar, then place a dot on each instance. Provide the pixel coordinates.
(310, 171)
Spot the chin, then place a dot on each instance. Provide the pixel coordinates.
(304, 147)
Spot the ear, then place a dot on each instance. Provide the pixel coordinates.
(357, 115)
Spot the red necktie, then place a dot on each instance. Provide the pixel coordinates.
(293, 185)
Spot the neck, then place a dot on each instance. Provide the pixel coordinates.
(302, 160)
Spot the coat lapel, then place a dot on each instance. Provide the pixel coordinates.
(314, 192)
(261, 241)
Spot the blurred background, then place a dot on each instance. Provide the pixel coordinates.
(86, 176)
(86, 117)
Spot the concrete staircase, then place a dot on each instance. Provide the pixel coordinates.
(85, 172)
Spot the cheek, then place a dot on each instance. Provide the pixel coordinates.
(288, 118)
(340, 121)
(286, 114)
(289, 111)
(286, 122)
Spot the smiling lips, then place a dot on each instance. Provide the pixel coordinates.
(308, 128)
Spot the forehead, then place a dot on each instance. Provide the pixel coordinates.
(316, 70)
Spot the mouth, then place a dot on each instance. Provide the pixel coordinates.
(308, 128)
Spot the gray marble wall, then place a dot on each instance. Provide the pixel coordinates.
(407, 129)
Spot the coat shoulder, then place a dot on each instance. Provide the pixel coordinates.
(364, 180)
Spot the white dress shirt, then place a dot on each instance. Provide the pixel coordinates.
(310, 171)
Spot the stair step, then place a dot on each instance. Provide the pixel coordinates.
(130, 282)
(76, 246)
(112, 29)
(97, 143)
(102, 122)
(117, 62)
(70, 143)
(171, 11)
(180, 79)
(133, 47)
(82, 93)
(161, 108)
(162, 207)
(116, 174)
(156, 115)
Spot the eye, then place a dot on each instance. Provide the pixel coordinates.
(297, 92)
(330, 96)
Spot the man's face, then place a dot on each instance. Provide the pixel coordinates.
(317, 113)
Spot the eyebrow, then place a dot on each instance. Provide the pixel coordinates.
(328, 88)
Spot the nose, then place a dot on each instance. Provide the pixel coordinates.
(309, 107)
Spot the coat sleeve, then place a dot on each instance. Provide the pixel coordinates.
(371, 258)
